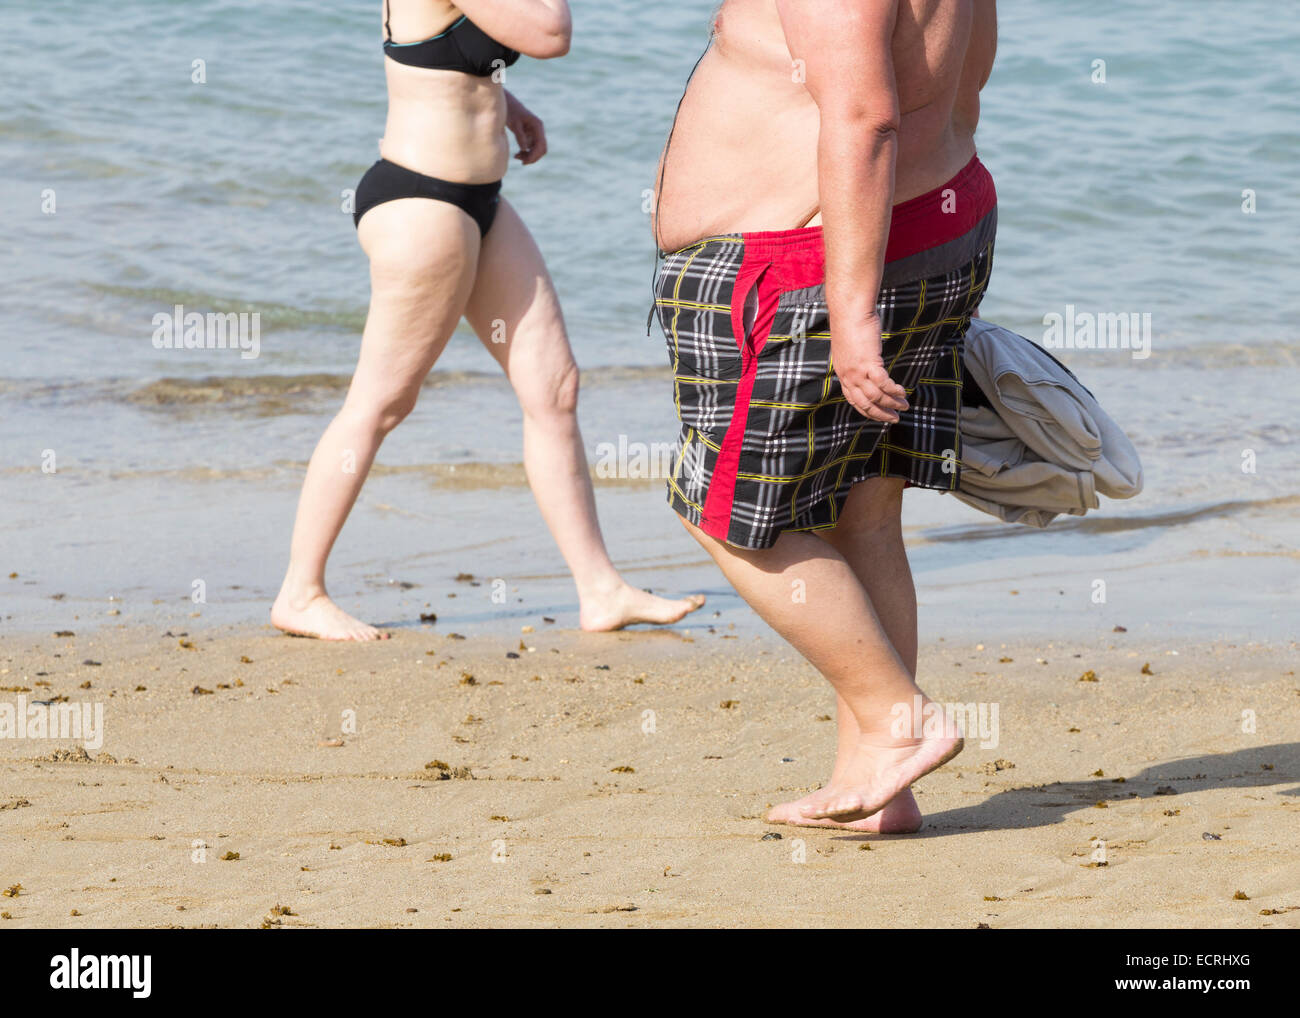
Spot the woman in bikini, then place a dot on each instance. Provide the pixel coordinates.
(444, 245)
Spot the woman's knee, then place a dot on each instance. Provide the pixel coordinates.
(379, 413)
(551, 394)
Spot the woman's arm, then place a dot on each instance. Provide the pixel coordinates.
(541, 29)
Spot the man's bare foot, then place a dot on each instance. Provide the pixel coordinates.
(877, 772)
(901, 816)
(628, 605)
(321, 618)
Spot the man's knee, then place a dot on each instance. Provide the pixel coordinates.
(694, 531)
(717, 549)
(875, 506)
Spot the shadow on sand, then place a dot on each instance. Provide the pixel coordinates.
(1042, 805)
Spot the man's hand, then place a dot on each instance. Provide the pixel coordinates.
(527, 129)
(855, 354)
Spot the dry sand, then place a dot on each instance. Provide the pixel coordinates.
(573, 813)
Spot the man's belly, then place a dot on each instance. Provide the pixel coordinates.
(743, 156)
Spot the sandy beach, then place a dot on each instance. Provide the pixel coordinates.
(1132, 674)
(621, 781)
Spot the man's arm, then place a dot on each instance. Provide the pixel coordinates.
(985, 34)
(846, 50)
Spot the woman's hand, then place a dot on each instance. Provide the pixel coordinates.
(855, 353)
(528, 130)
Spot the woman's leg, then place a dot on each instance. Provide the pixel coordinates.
(422, 262)
(515, 311)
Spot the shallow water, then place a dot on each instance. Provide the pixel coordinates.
(225, 196)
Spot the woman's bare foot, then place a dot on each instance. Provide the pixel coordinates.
(880, 770)
(319, 617)
(627, 605)
(901, 816)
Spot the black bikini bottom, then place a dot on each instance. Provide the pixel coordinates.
(387, 181)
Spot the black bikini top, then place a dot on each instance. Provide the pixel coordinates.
(463, 47)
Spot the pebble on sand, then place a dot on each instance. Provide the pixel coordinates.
(446, 772)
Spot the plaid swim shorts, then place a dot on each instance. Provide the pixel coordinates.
(768, 443)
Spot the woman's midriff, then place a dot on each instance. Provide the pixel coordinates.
(446, 124)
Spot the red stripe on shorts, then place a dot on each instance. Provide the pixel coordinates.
(777, 261)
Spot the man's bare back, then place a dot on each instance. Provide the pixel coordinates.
(743, 154)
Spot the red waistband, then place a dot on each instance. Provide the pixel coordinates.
(918, 224)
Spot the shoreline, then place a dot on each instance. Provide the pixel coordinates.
(410, 550)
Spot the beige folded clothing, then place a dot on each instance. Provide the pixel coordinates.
(1047, 447)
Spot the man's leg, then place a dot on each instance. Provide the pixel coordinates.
(869, 536)
(835, 627)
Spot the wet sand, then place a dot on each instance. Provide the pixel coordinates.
(478, 789)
